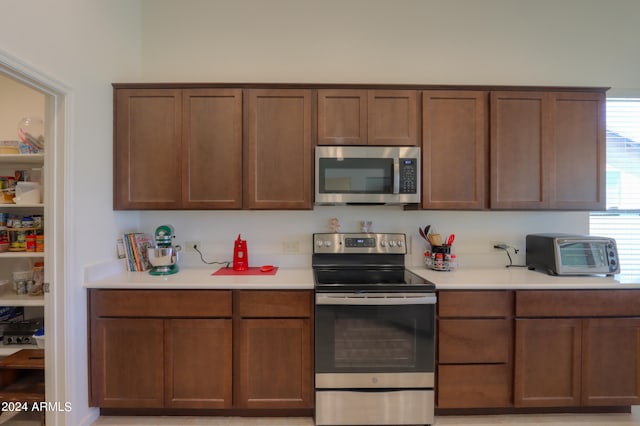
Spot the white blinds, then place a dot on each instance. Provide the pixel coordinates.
(622, 219)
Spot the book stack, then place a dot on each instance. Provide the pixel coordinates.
(135, 247)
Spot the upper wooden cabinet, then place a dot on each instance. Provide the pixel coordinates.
(547, 150)
(367, 117)
(178, 149)
(279, 149)
(454, 149)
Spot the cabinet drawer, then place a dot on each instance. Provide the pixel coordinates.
(274, 304)
(161, 303)
(474, 341)
(474, 386)
(577, 303)
(474, 304)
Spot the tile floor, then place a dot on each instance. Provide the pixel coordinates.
(507, 420)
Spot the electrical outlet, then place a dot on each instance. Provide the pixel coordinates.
(291, 247)
(188, 246)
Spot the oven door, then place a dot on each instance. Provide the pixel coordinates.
(375, 340)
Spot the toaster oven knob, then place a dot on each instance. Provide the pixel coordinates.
(383, 243)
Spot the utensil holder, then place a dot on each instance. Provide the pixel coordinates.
(441, 258)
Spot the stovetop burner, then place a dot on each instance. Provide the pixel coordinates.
(363, 263)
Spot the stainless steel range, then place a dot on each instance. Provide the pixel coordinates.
(374, 333)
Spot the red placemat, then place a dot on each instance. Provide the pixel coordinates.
(253, 270)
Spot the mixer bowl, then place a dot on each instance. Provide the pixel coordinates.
(162, 256)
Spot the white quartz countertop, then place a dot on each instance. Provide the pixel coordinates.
(302, 279)
(520, 279)
(202, 278)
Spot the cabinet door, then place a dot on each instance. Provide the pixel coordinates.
(454, 149)
(520, 149)
(611, 361)
(212, 149)
(127, 362)
(547, 363)
(279, 160)
(274, 367)
(579, 149)
(147, 149)
(198, 363)
(392, 117)
(342, 117)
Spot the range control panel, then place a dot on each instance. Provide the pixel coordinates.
(360, 243)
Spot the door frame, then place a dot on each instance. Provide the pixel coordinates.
(57, 107)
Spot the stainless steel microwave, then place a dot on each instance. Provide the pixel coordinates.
(569, 254)
(367, 175)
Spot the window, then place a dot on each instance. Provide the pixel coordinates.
(622, 217)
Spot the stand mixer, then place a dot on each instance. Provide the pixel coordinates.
(164, 256)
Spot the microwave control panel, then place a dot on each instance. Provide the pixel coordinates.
(408, 176)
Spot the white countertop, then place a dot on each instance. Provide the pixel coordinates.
(202, 278)
(520, 279)
(302, 279)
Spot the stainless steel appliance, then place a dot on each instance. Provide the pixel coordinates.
(164, 256)
(570, 254)
(374, 333)
(367, 175)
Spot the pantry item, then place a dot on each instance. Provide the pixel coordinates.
(31, 134)
(27, 193)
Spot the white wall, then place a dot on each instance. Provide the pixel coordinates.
(542, 42)
(85, 45)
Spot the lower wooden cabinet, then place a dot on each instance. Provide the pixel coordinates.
(198, 363)
(275, 364)
(474, 354)
(577, 348)
(538, 349)
(127, 366)
(194, 349)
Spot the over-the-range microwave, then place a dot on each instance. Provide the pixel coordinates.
(570, 254)
(367, 175)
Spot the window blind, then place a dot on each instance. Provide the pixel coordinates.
(622, 218)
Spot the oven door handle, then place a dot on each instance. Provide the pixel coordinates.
(376, 299)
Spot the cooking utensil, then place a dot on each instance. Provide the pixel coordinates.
(435, 239)
(450, 239)
(422, 234)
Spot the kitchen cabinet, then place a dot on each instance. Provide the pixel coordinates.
(275, 365)
(367, 117)
(201, 349)
(547, 150)
(279, 149)
(474, 355)
(177, 149)
(577, 348)
(454, 149)
(172, 353)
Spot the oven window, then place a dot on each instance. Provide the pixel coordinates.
(375, 343)
(356, 176)
(390, 338)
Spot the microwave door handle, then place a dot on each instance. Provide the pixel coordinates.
(396, 175)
